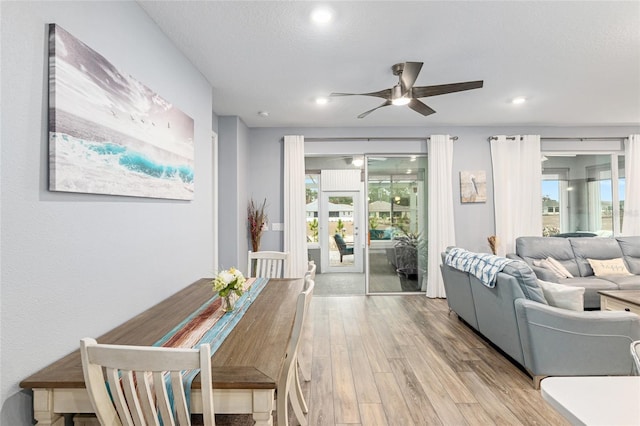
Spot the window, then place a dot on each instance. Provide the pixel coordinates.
(311, 195)
(582, 193)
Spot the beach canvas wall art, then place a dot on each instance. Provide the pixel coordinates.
(109, 133)
(473, 186)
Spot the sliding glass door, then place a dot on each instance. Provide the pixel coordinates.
(397, 223)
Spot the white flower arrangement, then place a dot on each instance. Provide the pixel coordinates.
(227, 281)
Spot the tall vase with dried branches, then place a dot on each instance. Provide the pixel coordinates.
(257, 219)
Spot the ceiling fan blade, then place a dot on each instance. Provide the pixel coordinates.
(409, 75)
(420, 107)
(385, 94)
(364, 114)
(425, 91)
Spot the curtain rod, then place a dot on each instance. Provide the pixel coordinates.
(575, 138)
(455, 138)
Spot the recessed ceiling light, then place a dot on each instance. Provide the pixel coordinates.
(322, 101)
(321, 16)
(263, 113)
(518, 100)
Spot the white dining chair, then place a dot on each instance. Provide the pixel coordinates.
(132, 378)
(635, 353)
(286, 383)
(305, 366)
(311, 270)
(268, 264)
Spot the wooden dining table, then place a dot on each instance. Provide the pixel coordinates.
(246, 366)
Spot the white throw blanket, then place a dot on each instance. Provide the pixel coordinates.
(483, 266)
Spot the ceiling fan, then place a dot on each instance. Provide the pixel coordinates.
(404, 93)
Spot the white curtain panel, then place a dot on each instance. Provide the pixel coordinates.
(440, 215)
(295, 232)
(517, 192)
(631, 219)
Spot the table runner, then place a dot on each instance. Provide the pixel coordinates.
(209, 324)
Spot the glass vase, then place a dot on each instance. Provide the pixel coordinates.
(228, 303)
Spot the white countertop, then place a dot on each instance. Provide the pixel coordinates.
(610, 401)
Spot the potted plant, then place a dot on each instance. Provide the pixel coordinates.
(313, 227)
(411, 257)
(340, 227)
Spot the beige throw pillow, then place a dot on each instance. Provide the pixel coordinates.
(608, 267)
(563, 296)
(560, 267)
(554, 266)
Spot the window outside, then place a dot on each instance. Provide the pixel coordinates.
(578, 196)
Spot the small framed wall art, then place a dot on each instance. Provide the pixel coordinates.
(473, 186)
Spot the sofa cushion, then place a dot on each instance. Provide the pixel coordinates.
(539, 248)
(593, 248)
(630, 247)
(592, 286)
(526, 279)
(563, 296)
(624, 282)
(608, 267)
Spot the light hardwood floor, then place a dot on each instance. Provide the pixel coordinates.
(403, 360)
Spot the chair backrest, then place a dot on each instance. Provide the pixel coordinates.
(268, 264)
(340, 241)
(288, 369)
(136, 378)
(635, 353)
(311, 271)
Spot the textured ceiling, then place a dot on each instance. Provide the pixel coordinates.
(578, 62)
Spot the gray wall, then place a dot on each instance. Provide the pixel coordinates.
(76, 265)
(474, 222)
(233, 149)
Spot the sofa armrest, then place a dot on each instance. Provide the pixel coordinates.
(559, 342)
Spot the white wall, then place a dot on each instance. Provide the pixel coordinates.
(76, 265)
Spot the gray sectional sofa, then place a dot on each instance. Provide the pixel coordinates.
(545, 340)
(573, 254)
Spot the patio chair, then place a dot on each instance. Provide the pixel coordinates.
(343, 248)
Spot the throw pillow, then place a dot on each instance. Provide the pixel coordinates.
(563, 296)
(608, 267)
(560, 272)
(546, 265)
(560, 267)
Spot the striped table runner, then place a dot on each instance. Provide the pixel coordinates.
(209, 324)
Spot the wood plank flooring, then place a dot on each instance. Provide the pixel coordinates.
(403, 360)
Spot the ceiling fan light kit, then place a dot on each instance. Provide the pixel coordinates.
(398, 98)
(404, 93)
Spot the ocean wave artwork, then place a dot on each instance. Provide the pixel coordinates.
(110, 134)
